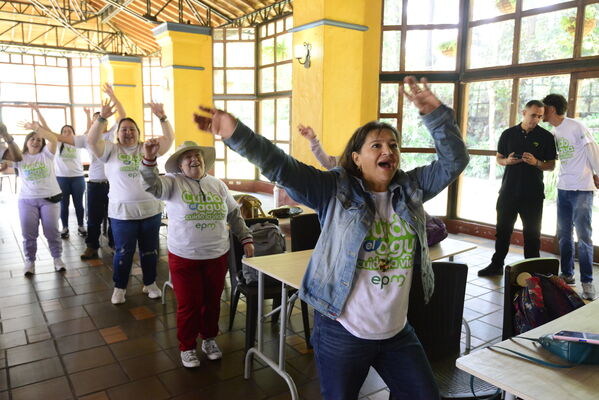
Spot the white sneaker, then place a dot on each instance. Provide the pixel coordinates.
(59, 265)
(190, 359)
(588, 291)
(211, 349)
(29, 268)
(152, 290)
(118, 296)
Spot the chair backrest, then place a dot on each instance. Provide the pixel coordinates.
(438, 324)
(540, 265)
(305, 231)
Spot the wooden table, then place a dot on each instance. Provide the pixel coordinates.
(289, 269)
(531, 381)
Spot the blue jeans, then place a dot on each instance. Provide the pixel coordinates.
(127, 234)
(71, 186)
(97, 210)
(343, 361)
(575, 209)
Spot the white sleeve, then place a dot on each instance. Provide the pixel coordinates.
(592, 151)
(108, 149)
(109, 135)
(48, 153)
(80, 141)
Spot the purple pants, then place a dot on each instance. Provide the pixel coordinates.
(31, 211)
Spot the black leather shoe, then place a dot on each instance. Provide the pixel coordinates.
(491, 270)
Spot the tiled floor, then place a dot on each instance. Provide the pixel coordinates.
(61, 337)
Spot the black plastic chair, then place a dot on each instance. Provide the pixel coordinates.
(305, 231)
(438, 325)
(540, 265)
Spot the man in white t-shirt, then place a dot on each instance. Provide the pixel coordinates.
(579, 167)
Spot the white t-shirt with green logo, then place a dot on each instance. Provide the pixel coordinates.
(38, 179)
(197, 219)
(575, 171)
(68, 161)
(127, 198)
(377, 306)
(96, 167)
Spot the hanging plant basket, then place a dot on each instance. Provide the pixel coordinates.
(449, 48)
(506, 6)
(587, 27)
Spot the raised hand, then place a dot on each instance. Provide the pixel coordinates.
(107, 109)
(34, 107)
(421, 97)
(218, 123)
(157, 109)
(107, 88)
(151, 147)
(87, 111)
(29, 126)
(306, 131)
(4, 132)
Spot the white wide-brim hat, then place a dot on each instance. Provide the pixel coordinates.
(208, 154)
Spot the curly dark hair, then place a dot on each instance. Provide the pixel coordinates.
(558, 101)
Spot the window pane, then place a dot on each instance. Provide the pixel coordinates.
(217, 34)
(283, 120)
(438, 204)
(538, 87)
(270, 29)
(267, 51)
(267, 119)
(248, 33)
(284, 44)
(240, 81)
(391, 46)
(81, 76)
(232, 34)
(218, 60)
(240, 54)
(424, 50)
(219, 79)
(479, 188)
(488, 113)
(244, 110)
(238, 167)
(267, 80)
(546, 37)
(16, 73)
(54, 94)
(219, 169)
(11, 116)
(280, 25)
(16, 92)
(491, 44)
(413, 131)
(219, 147)
(82, 95)
(390, 121)
(482, 9)
(528, 4)
(389, 98)
(284, 77)
(433, 12)
(590, 34)
(284, 147)
(587, 105)
(392, 12)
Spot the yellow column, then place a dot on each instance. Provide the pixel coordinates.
(187, 68)
(339, 92)
(125, 75)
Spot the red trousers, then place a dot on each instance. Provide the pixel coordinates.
(198, 286)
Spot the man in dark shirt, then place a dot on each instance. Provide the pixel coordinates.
(526, 150)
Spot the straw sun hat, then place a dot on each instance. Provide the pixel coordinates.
(208, 153)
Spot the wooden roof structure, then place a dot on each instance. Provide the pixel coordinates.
(122, 27)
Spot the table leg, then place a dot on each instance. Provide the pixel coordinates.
(509, 396)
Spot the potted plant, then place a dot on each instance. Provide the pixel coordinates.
(448, 48)
(569, 23)
(506, 6)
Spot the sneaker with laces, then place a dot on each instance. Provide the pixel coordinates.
(588, 291)
(190, 359)
(152, 290)
(64, 234)
(118, 296)
(211, 349)
(59, 265)
(29, 268)
(90, 254)
(569, 279)
(81, 231)
(491, 270)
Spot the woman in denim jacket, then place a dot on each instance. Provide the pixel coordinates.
(373, 235)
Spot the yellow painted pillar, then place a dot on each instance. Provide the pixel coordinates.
(187, 71)
(125, 75)
(339, 91)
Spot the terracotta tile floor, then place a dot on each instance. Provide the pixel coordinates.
(61, 337)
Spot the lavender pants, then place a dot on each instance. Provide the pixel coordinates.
(31, 211)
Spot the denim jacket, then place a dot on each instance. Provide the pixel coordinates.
(346, 209)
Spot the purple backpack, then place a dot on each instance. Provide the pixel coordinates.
(435, 230)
